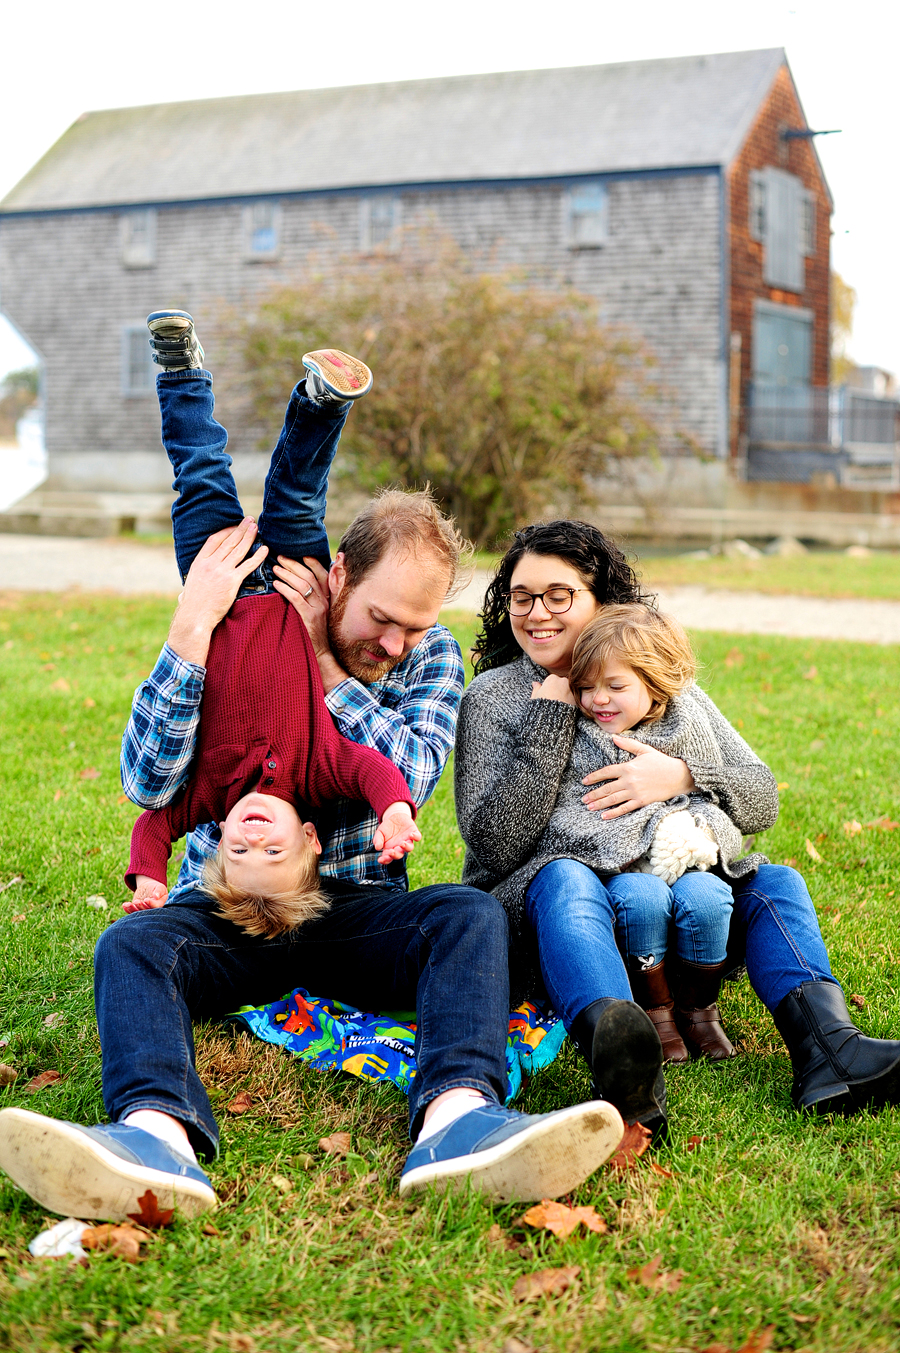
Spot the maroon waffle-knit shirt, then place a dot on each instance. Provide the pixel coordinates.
(264, 726)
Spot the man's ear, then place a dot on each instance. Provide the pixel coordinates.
(337, 577)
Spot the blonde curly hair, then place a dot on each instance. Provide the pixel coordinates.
(270, 914)
(651, 643)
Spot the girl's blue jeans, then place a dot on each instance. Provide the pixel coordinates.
(292, 521)
(774, 930)
(698, 905)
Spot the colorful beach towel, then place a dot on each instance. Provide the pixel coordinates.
(333, 1036)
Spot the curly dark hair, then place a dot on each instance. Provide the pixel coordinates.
(601, 564)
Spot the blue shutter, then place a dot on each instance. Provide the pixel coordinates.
(783, 263)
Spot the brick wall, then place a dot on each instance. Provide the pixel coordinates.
(63, 285)
(763, 147)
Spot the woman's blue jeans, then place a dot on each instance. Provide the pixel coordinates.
(774, 930)
(292, 521)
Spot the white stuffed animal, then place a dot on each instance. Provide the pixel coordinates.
(681, 842)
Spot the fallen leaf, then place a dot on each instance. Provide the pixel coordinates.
(812, 852)
(804, 1319)
(7, 1074)
(283, 1185)
(42, 1081)
(547, 1282)
(17, 878)
(125, 1241)
(734, 657)
(858, 1001)
(209, 1230)
(60, 685)
(759, 1341)
(649, 1276)
(884, 824)
(562, 1220)
(811, 674)
(304, 1161)
(790, 861)
(123, 798)
(782, 784)
(694, 1142)
(514, 1345)
(634, 1143)
(20, 917)
(57, 796)
(90, 773)
(817, 744)
(851, 828)
(658, 1169)
(242, 1103)
(56, 1018)
(338, 1144)
(151, 1214)
(89, 703)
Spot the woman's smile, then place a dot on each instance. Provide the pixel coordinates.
(547, 637)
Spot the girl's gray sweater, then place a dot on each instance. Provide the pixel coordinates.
(519, 764)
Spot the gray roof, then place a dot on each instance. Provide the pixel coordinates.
(635, 115)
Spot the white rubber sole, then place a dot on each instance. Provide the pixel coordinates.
(68, 1172)
(544, 1161)
(347, 376)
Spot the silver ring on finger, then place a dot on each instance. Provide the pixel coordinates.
(307, 594)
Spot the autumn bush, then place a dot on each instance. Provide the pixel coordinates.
(506, 398)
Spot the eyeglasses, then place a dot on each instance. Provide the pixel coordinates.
(556, 600)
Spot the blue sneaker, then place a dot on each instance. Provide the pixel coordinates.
(516, 1157)
(175, 345)
(97, 1171)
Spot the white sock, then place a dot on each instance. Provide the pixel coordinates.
(450, 1110)
(167, 1129)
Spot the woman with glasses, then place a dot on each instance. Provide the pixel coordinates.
(514, 741)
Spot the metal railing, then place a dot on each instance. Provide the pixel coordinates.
(794, 432)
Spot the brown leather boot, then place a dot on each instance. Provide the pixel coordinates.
(650, 988)
(696, 1012)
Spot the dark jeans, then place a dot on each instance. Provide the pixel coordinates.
(292, 520)
(442, 950)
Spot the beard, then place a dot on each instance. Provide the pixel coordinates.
(353, 655)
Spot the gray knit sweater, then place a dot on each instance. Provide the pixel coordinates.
(519, 764)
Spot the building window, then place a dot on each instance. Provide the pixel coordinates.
(757, 196)
(379, 223)
(782, 345)
(262, 231)
(138, 368)
(137, 237)
(808, 224)
(586, 207)
(782, 218)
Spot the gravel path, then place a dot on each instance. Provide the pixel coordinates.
(55, 564)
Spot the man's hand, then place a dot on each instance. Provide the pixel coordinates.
(149, 893)
(396, 834)
(553, 688)
(210, 588)
(652, 777)
(306, 588)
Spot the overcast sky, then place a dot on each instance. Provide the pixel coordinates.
(63, 58)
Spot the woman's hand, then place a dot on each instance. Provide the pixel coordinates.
(149, 893)
(396, 834)
(652, 777)
(553, 688)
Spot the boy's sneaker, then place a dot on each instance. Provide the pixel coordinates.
(334, 377)
(99, 1171)
(516, 1157)
(174, 343)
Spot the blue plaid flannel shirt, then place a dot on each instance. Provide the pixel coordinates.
(409, 716)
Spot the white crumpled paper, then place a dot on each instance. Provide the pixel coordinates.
(62, 1239)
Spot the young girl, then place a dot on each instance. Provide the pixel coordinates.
(632, 671)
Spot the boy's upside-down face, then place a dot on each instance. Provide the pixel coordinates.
(263, 842)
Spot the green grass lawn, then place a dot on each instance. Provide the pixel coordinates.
(817, 574)
(772, 1220)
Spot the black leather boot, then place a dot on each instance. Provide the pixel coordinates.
(622, 1048)
(837, 1069)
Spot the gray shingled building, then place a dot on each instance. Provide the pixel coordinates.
(619, 180)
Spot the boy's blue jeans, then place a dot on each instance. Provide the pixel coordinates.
(774, 930)
(292, 521)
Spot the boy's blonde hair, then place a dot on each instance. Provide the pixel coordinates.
(652, 644)
(270, 914)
